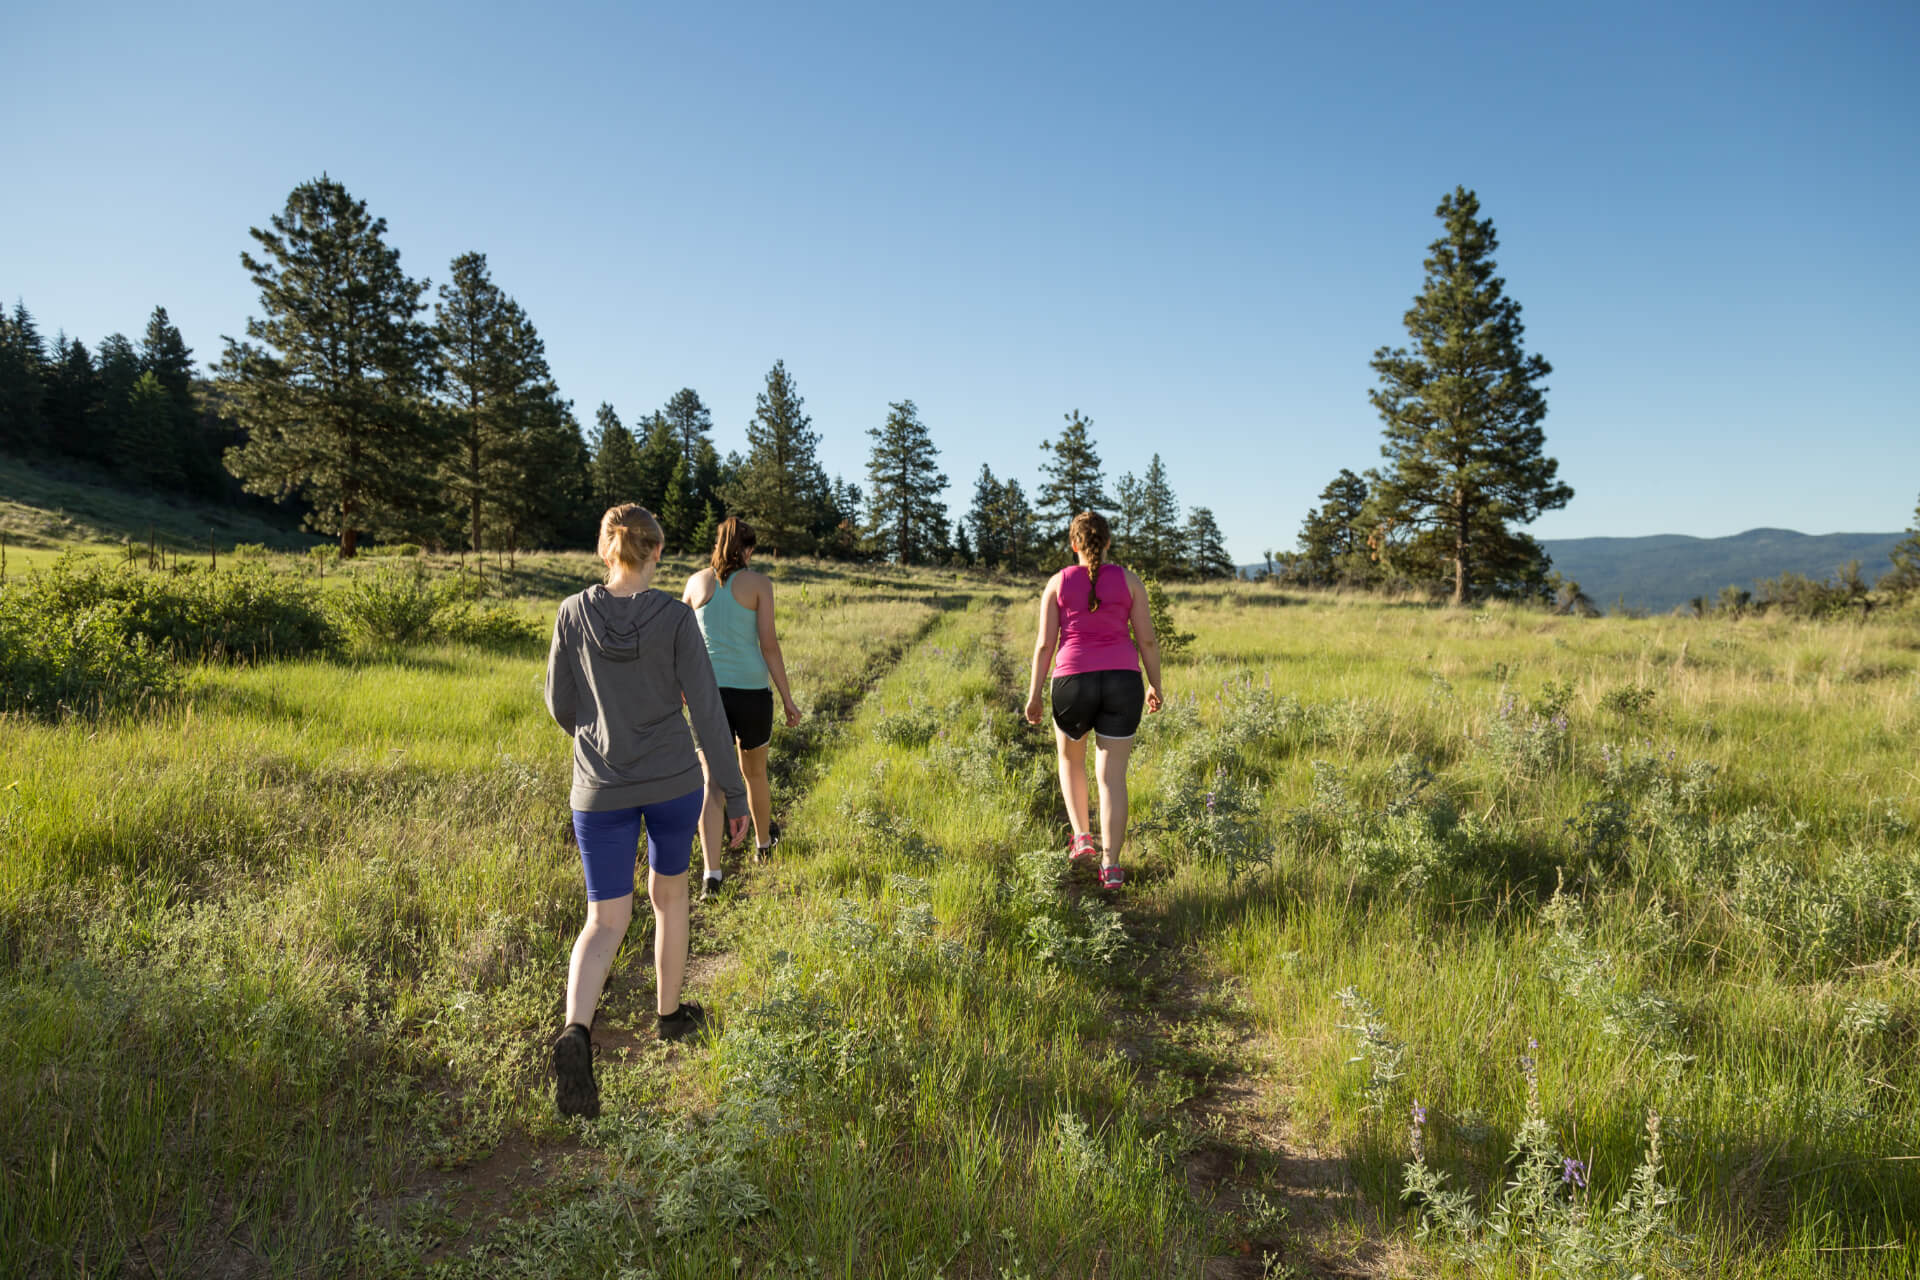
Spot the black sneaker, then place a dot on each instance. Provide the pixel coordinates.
(710, 885)
(574, 1091)
(688, 1020)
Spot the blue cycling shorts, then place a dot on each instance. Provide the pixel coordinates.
(610, 842)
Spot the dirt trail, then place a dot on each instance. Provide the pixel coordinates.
(1285, 1207)
(467, 1199)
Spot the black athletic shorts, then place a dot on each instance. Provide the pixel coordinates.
(1107, 702)
(749, 715)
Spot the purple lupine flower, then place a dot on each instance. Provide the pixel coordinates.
(1560, 722)
(1210, 801)
(1419, 1114)
(1573, 1172)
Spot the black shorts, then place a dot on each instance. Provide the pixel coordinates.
(749, 715)
(1107, 702)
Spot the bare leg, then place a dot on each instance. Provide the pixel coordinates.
(753, 765)
(713, 822)
(593, 953)
(1073, 780)
(1110, 765)
(669, 894)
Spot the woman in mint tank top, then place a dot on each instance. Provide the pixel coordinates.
(1095, 635)
(734, 606)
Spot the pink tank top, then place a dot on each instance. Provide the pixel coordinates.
(1095, 639)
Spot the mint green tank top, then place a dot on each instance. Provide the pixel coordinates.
(732, 633)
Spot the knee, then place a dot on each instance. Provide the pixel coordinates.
(667, 892)
(611, 913)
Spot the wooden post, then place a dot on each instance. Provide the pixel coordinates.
(213, 552)
(3, 559)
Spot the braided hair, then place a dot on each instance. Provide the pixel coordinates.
(1090, 534)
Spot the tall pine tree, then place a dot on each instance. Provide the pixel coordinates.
(330, 387)
(1072, 472)
(907, 519)
(983, 517)
(1206, 550)
(780, 488)
(1159, 538)
(616, 465)
(497, 395)
(23, 374)
(72, 388)
(1462, 408)
(1332, 540)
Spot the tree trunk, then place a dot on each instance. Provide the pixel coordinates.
(1460, 558)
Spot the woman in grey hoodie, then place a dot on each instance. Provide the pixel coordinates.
(624, 659)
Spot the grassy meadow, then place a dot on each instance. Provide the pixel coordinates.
(282, 951)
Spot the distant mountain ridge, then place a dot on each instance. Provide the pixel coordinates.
(1664, 570)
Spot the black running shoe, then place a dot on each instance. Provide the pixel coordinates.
(574, 1091)
(688, 1020)
(710, 885)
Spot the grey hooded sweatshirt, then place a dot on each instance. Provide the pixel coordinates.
(615, 677)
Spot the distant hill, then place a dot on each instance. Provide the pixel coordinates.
(1665, 570)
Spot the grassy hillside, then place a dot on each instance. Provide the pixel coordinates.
(42, 515)
(280, 957)
(1664, 571)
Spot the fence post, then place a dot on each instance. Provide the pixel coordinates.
(213, 553)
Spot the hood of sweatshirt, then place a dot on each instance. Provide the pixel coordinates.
(617, 626)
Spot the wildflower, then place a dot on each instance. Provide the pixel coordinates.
(1210, 796)
(1560, 722)
(1419, 1114)
(1573, 1172)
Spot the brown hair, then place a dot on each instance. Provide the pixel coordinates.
(1091, 534)
(629, 535)
(731, 542)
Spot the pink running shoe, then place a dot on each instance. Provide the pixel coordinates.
(1112, 877)
(1083, 847)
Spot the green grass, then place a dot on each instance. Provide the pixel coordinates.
(43, 514)
(279, 960)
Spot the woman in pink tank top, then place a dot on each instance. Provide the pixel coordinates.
(1095, 634)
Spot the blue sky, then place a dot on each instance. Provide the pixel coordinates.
(1195, 224)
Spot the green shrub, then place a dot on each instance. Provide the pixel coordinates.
(56, 661)
(1173, 641)
(240, 611)
(390, 606)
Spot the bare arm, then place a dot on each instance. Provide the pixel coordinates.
(1141, 619)
(770, 647)
(1044, 645)
(702, 693)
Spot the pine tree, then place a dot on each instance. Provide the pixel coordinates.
(842, 540)
(146, 445)
(1158, 540)
(1332, 541)
(166, 355)
(658, 457)
(23, 376)
(330, 388)
(117, 368)
(1206, 550)
(1022, 545)
(705, 532)
(692, 425)
(1905, 576)
(1129, 514)
(907, 518)
(496, 392)
(72, 387)
(553, 503)
(678, 514)
(779, 488)
(616, 469)
(1073, 477)
(962, 549)
(985, 518)
(1462, 410)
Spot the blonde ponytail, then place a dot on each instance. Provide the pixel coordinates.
(629, 536)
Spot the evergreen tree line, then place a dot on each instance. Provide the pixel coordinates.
(138, 411)
(386, 416)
